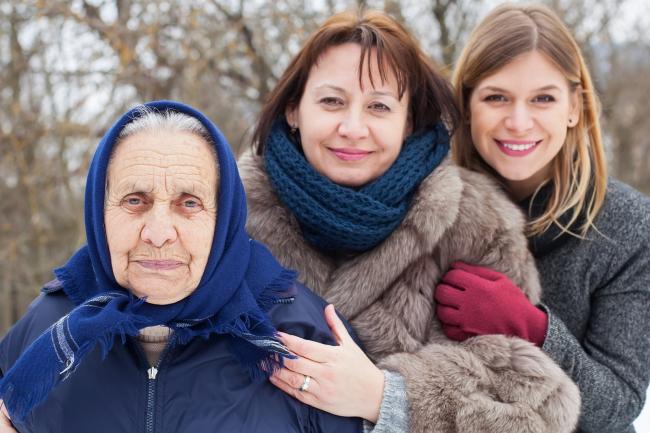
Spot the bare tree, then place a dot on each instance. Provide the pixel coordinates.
(40, 206)
(454, 19)
(69, 68)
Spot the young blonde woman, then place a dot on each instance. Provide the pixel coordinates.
(530, 119)
(351, 185)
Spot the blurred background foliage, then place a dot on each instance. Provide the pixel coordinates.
(70, 68)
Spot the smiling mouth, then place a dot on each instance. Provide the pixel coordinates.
(517, 147)
(346, 154)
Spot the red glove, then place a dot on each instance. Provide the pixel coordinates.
(472, 300)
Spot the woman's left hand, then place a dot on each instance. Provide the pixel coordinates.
(342, 380)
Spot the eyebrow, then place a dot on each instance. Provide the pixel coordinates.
(539, 89)
(380, 93)
(197, 189)
(342, 90)
(124, 186)
(178, 187)
(331, 87)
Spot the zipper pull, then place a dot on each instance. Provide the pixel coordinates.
(153, 371)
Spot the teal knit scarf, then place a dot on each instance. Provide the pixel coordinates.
(336, 218)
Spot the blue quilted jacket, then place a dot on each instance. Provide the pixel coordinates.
(194, 388)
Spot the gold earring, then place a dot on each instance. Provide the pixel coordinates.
(293, 130)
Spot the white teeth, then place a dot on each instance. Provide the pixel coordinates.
(519, 147)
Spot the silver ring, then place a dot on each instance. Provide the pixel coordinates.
(305, 384)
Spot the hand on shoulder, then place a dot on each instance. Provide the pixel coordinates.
(5, 421)
(337, 379)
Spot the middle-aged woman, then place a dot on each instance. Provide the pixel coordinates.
(170, 272)
(350, 184)
(530, 119)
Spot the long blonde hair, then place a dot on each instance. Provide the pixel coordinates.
(579, 171)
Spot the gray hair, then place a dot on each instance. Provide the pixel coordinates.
(150, 120)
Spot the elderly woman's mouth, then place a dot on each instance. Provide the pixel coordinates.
(160, 265)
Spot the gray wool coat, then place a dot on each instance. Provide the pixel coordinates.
(597, 296)
(487, 383)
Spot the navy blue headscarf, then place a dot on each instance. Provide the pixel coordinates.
(240, 282)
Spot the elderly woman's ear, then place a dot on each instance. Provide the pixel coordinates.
(160, 213)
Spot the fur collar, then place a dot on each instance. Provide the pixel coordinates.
(435, 208)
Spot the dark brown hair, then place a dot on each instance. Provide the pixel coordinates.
(382, 38)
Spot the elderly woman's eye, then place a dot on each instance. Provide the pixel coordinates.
(190, 204)
(133, 202)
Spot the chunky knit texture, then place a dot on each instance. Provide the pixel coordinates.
(337, 218)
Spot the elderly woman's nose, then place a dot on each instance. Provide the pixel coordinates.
(159, 227)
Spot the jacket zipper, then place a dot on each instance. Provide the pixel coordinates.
(288, 300)
(152, 373)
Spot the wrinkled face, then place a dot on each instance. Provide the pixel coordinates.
(160, 213)
(519, 119)
(350, 133)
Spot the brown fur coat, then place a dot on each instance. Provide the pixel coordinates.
(485, 384)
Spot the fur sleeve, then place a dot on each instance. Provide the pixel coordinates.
(489, 231)
(486, 384)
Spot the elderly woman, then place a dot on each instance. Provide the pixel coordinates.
(170, 273)
(350, 183)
